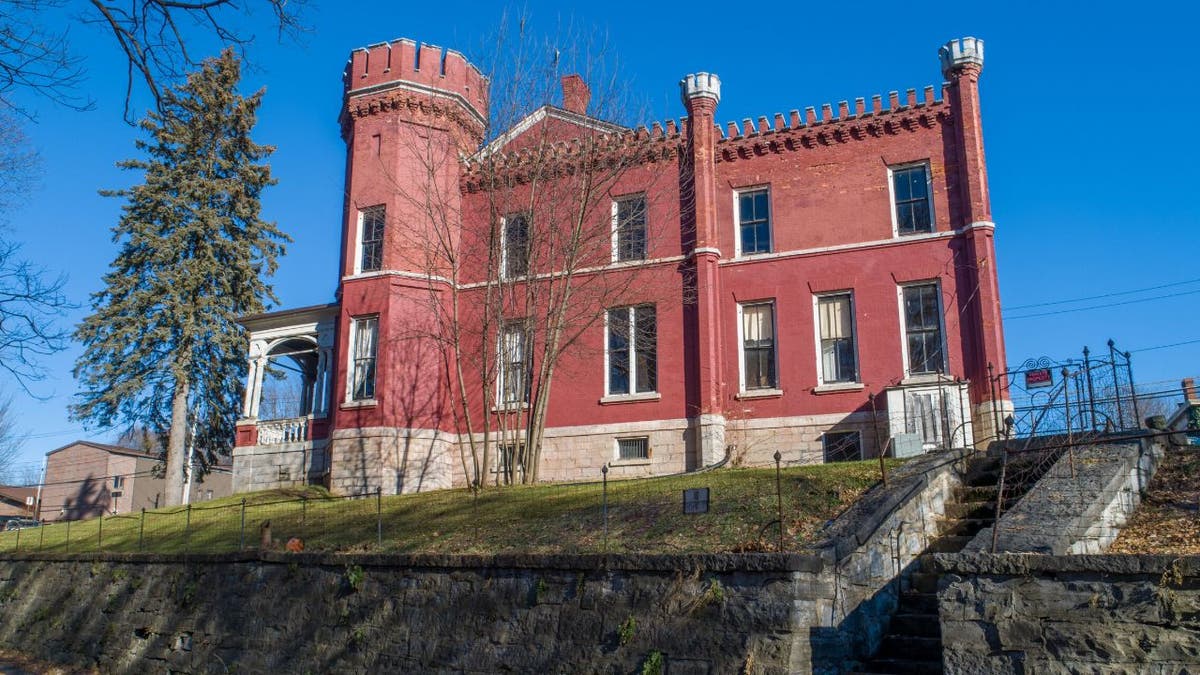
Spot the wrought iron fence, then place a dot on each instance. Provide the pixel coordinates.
(1087, 395)
(764, 509)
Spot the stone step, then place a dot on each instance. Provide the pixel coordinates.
(913, 602)
(922, 625)
(902, 667)
(971, 510)
(976, 493)
(923, 582)
(910, 647)
(963, 526)
(950, 544)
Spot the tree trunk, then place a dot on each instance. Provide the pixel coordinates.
(177, 444)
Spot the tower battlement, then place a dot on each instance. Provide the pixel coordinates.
(956, 54)
(444, 71)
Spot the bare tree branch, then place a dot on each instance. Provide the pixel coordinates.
(161, 41)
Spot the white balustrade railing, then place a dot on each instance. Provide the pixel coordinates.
(274, 432)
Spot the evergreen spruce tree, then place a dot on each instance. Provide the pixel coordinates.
(162, 347)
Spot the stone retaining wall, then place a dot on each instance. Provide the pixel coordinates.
(1069, 614)
(764, 613)
(1080, 504)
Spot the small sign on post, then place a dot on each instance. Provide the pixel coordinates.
(695, 500)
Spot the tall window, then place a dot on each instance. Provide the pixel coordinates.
(632, 350)
(910, 189)
(629, 229)
(835, 319)
(516, 246)
(754, 222)
(364, 344)
(923, 329)
(370, 254)
(513, 380)
(758, 346)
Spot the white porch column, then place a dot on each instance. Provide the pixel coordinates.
(258, 364)
(324, 374)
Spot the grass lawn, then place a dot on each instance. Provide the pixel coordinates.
(643, 516)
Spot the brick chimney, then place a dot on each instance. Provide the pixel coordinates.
(1189, 390)
(575, 94)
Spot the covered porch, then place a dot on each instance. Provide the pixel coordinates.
(283, 429)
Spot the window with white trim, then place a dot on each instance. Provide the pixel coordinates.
(632, 350)
(633, 448)
(364, 351)
(912, 203)
(514, 244)
(923, 342)
(842, 446)
(629, 228)
(835, 325)
(754, 221)
(370, 234)
(758, 346)
(512, 380)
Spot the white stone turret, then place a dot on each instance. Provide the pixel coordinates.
(956, 54)
(700, 85)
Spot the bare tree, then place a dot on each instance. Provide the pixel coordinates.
(521, 263)
(31, 299)
(158, 38)
(11, 439)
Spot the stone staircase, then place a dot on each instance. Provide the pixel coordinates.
(913, 642)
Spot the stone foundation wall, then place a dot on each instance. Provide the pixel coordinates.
(798, 439)
(395, 460)
(1069, 614)
(258, 467)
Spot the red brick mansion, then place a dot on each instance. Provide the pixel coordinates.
(566, 293)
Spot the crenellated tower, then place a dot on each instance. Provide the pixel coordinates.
(962, 63)
(409, 114)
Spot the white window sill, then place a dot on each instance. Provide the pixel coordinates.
(630, 398)
(759, 393)
(510, 407)
(750, 256)
(926, 378)
(837, 387)
(629, 462)
(362, 403)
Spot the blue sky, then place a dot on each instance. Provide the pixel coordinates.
(1087, 122)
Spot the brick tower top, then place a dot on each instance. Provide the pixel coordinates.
(427, 76)
(958, 54)
(700, 85)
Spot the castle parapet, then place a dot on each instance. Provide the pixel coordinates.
(958, 54)
(700, 85)
(443, 70)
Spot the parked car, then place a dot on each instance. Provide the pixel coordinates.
(20, 524)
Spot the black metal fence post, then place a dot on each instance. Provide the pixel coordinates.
(242, 534)
(879, 452)
(379, 516)
(779, 496)
(1091, 389)
(187, 531)
(41, 534)
(1067, 406)
(1137, 414)
(18, 550)
(142, 530)
(303, 516)
(604, 506)
(100, 533)
(68, 535)
(1112, 362)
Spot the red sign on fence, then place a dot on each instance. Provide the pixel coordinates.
(1041, 377)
